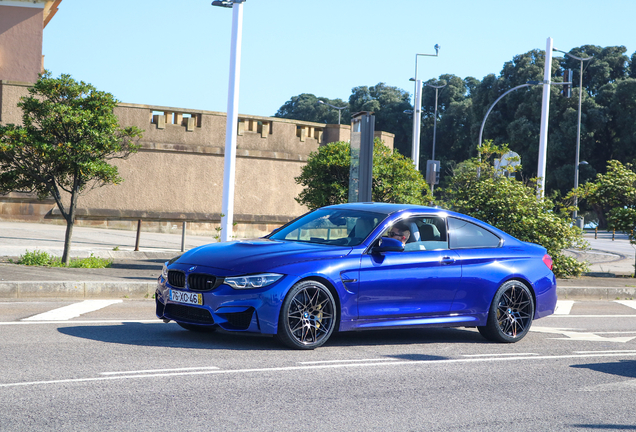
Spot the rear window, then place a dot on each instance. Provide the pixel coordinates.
(467, 235)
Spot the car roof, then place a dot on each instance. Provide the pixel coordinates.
(389, 208)
(386, 208)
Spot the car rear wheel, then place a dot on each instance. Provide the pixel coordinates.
(510, 314)
(307, 317)
(197, 328)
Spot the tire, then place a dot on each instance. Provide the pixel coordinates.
(197, 328)
(510, 315)
(307, 317)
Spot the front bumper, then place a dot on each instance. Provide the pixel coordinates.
(255, 310)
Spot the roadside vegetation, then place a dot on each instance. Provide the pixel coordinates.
(41, 258)
(475, 188)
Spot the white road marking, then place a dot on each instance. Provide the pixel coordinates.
(605, 352)
(499, 354)
(347, 361)
(316, 367)
(580, 336)
(563, 307)
(66, 313)
(151, 321)
(160, 370)
(629, 303)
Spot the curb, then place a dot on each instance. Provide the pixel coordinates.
(77, 290)
(145, 290)
(596, 293)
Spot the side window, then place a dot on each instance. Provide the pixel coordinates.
(467, 235)
(424, 233)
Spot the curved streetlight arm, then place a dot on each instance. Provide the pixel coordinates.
(483, 123)
(334, 107)
(572, 55)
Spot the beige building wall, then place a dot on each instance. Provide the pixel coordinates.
(21, 40)
(177, 175)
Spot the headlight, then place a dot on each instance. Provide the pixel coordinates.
(164, 271)
(252, 281)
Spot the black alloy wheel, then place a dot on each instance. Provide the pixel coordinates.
(510, 315)
(307, 316)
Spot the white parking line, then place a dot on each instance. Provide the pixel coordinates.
(150, 321)
(160, 370)
(629, 303)
(347, 361)
(66, 313)
(563, 307)
(316, 367)
(499, 354)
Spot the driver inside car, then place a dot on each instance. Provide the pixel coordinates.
(400, 232)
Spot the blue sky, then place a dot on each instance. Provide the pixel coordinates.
(176, 53)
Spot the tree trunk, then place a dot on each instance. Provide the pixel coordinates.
(67, 241)
(70, 221)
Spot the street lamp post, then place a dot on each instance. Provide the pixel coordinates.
(229, 166)
(577, 164)
(434, 126)
(415, 147)
(435, 115)
(334, 107)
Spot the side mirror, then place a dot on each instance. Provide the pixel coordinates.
(388, 244)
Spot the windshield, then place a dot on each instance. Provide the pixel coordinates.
(331, 226)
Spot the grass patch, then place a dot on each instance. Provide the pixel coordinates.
(41, 258)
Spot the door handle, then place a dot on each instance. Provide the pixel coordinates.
(447, 260)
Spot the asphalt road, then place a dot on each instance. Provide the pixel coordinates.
(118, 368)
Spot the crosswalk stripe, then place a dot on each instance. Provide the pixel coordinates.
(563, 307)
(629, 303)
(72, 311)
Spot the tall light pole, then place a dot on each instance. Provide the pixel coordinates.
(545, 112)
(229, 166)
(435, 115)
(577, 163)
(417, 94)
(334, 107)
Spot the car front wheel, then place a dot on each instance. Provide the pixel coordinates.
(510, 314)
(307, 316)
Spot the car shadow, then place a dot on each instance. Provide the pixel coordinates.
(625, 368)
(170, 336)
(406, 337)
(173, 336)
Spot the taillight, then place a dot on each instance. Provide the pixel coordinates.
(547, 260)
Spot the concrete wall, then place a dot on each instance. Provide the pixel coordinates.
(21, 41)
(178, 173)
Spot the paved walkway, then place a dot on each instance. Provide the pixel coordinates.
(134, 273)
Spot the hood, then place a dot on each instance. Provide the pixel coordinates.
(259, 255)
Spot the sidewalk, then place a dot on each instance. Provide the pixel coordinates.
(134, 273)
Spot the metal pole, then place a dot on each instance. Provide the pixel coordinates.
(435, 123)
(417, 108)
(417, 118)
(545, 113)
(183, 236)
(229, 166)
(578, 146)
(138, 235)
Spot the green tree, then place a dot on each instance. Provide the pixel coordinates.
(307, 107)
(326, 177)
(68, 134)
(388, 104)
(513, 207)
(614, 189)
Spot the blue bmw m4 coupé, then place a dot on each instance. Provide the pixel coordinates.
(362, 266)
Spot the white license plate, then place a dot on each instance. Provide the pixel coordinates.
(186, 297)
